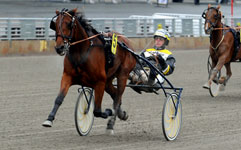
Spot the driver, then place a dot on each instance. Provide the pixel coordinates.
(165, 59)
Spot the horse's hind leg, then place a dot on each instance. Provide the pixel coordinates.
(65, 84)
(116, 94)
(224, 80)
(112, 91)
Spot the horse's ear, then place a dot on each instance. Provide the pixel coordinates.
(218, 7)
(209, 5)
(57, 12)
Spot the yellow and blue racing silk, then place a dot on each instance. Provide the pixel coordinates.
(168, 67)
(164, 52)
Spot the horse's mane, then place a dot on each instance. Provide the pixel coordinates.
(83, 21)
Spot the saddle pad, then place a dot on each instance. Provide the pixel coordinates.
(236, 43)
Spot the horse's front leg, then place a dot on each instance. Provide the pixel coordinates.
(99, 92)
(213, 64)
(216, 69)
(66, 82)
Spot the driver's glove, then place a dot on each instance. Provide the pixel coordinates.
(162, 62)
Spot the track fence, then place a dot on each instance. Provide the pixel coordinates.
(134, 26)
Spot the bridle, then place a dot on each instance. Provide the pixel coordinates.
(67, 39)
(72, 25)
(216, 17)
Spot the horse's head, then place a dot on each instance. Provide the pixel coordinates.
(64, 28)
(212, 16)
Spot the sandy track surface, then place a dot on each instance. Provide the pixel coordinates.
(29, 85)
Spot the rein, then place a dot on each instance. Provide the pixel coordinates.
(226, 28)
(91, 37)
(74, 43)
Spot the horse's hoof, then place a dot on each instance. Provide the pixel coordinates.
(47, 123)
(109, 112)
(205, 86)
(104, 115)
(124, 116)
(222, 80)
(110, 131)
(100, 114)
(97, 113)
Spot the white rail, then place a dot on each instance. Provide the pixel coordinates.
(134, 26)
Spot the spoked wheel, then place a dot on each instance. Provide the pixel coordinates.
(171, 117)
(215, 86)
(84, 108)
(214, 89)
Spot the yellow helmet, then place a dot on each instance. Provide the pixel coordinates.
(162, 33)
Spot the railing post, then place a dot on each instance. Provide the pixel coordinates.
(9, 29)
(200, 27)
(174, 27)
(114, 24)
(46, 29)
(145, 28)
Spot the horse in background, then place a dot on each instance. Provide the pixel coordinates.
(85, 64)
(224, 47)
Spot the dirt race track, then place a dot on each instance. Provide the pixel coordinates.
(29, 85)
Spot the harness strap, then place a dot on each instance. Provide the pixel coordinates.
(68, 14)
(218, 44)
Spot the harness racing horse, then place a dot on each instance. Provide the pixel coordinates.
(85, 64)
(223, 49)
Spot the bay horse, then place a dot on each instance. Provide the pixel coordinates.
(85, 64)
(223, 49)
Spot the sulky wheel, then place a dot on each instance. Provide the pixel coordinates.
(171, 123)
(214, 89)
(84, 108)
